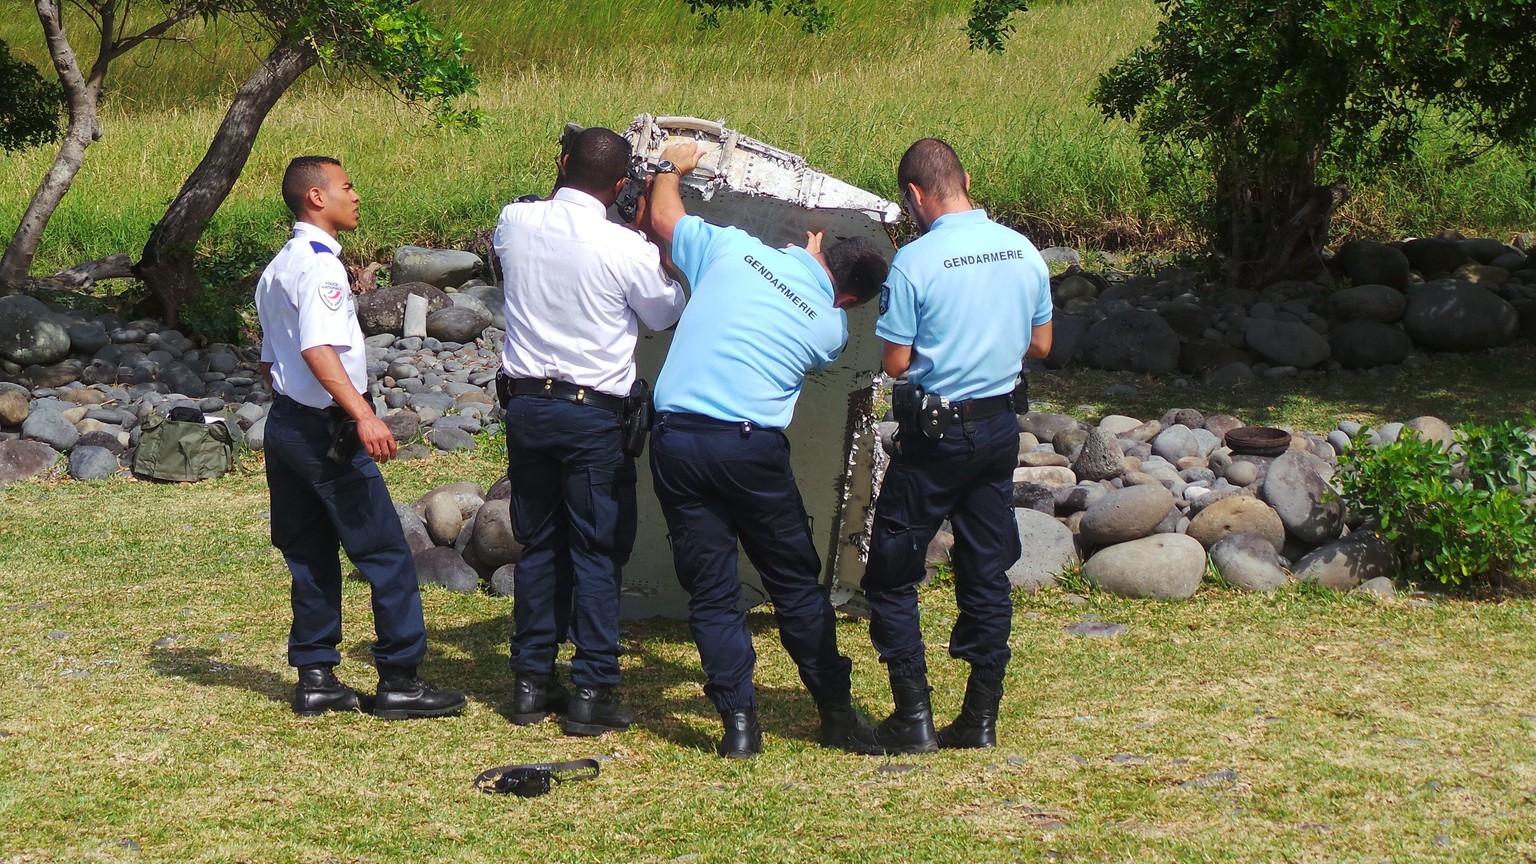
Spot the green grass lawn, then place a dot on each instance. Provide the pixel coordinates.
(146, 713)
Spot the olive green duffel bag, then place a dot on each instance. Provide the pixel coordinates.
(183, 450)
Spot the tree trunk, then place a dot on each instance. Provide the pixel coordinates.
(80, 96)
(166, 265)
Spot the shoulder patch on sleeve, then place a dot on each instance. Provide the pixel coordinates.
(320, 247)
(885, 298)
(331, 294)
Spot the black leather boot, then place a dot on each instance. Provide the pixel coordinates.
(535, 697)
(408, 697)
(909, 729)
(318, 691)
(976, 724)
(593, 711)
(743, 738)
(844, 727)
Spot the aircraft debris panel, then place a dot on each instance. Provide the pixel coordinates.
(776, 196)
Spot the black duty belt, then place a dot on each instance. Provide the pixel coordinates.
(564, 390)
(972, 410)
(536, 778)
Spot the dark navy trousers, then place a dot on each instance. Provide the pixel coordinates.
(719, 482)
(573, 511)
(966, 476)
(318, 505)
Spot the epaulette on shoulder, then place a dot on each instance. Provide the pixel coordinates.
(320, 247)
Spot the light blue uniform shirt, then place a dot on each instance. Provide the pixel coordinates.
(758, 319)
(964, 296)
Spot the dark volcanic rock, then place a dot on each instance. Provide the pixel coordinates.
(1133, 341)
(1449, 315)
(1367, 344)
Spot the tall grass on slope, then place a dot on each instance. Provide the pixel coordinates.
(849, 100)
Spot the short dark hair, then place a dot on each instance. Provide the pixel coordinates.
(933, 166)
(304, 173)
(597, 158)
(858, 268)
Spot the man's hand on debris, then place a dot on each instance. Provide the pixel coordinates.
(683, 154)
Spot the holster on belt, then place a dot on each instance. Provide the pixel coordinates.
(344, 440)
(636, 418)
(503, 389)
(1019, 398)
(919, 413)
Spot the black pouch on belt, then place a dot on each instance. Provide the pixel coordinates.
(1019, 398)
(344, 440)
(635, 421)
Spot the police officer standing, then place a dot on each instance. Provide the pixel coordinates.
(758, 319)
(322, 445)
(576, 286)
(964, 304)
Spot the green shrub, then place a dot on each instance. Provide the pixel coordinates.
(1464, 515)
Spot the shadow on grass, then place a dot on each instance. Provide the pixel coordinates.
(666, 693)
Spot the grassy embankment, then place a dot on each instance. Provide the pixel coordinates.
(850, 101)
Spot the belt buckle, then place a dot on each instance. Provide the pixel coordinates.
(549, 385)
(581, 394)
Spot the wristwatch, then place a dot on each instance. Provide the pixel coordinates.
(665, 166)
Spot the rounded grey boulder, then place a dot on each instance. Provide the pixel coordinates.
(502, 580)
(458, 323)
(1249, 562)
(443, 268)
(1346, 563)
(1369, 303)
(1132, 341)
(1287, 343)
(443, 519)
(492, 540)
(22, 460)
(441, 565)
(1239, 514)
(30, 332)
(1449, 315)
(1307, 506)
(451, 439)
(416, 536)
(92, 463)
(1432, 256)
(51, 428)
(1166, 566)
(1368, 262)
(1125, 514)
(1048, 549)
(1367, 344)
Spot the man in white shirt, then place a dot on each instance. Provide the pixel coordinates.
(577, 287)
(322, 443)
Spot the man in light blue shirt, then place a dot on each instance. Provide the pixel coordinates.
(964, 304)
(757, 321)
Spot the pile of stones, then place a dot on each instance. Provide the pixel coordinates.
(460, 535)
(1382, 308)
(81, 383)
(1141, 505)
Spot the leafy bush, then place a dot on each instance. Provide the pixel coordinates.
(1466, 515)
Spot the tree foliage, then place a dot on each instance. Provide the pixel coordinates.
(29, 104)
(388, 43)
(1271, 95)
(391, 43)
(987, 26)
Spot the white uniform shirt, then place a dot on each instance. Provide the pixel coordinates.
(575, 285)
(303, 300)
